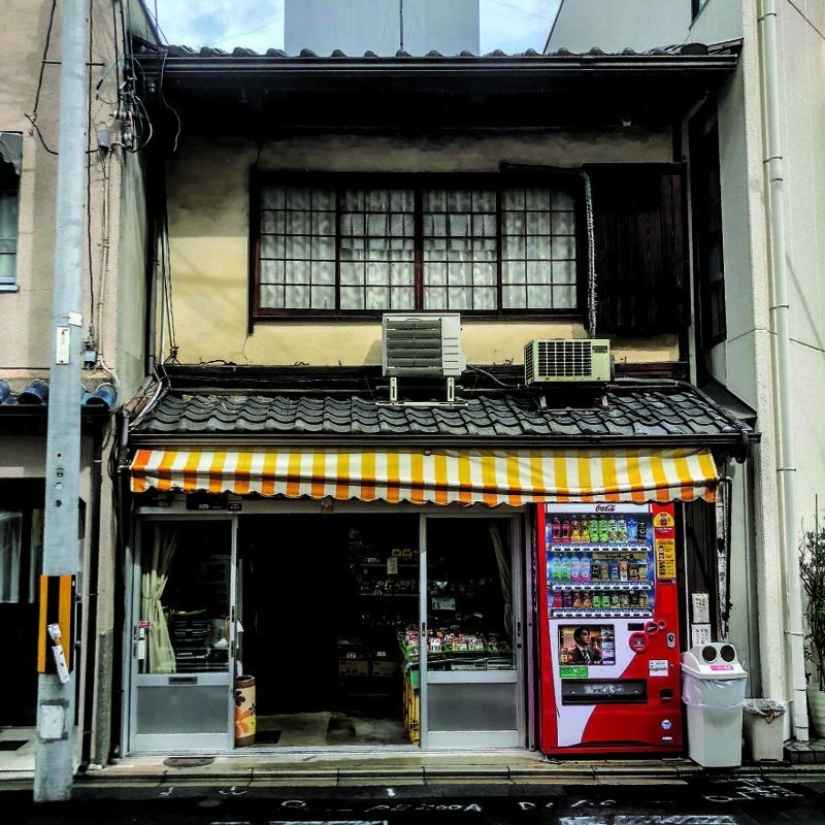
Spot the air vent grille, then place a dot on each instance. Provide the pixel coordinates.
(567, 360)
(423, 345)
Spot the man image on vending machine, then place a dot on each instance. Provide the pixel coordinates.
(585, 652)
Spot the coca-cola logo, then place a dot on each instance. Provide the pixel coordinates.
(605, 508)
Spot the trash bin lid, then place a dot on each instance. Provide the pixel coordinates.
(701, 669)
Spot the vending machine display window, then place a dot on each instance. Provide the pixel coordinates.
(586, 644)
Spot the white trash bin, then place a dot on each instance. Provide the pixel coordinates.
(764, 729)
(713, 689)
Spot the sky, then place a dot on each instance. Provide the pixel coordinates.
(510, 25)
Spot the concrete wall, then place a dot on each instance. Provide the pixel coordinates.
(208, 187)
(358, 26)
(614, 25)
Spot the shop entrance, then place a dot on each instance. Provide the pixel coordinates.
(322, 604)
(359, 629)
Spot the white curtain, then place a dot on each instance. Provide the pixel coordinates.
(160, 655)
(11, 532)
(505, 572)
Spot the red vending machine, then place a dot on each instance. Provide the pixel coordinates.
(608, 630)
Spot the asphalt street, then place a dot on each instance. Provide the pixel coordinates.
(718, 800)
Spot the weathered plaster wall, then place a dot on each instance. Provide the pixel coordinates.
(208, 191)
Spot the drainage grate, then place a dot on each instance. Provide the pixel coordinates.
(188, 761)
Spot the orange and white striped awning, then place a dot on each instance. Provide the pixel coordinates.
(438, 476)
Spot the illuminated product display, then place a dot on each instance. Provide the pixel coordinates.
(609, 657)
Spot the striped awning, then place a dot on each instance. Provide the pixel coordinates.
(438, 476)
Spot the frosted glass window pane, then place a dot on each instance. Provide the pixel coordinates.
(352, 274)
(323, 272)
(564, 247)
(538, 247)
(272, 272)
(378, 298)
(514, 297)
(538, 223)
(563, 223)
(297, 297)
(539, 297)
(459, 226)
(273, 246)
(323, 223)
(353, 200)
(564, 272)
(403, 299)
(513, 248)
(435, 298)
(562, 199)
(435, 274)
(352, 298)
(274, 197)
(513, 199)
(323, 297)
(484, 201)
(484, 299)
(537, 199)
(512, 272)
(325, 249)
(403, 274)
(484, 275)
(459, 298)
(377, 225)
(298, 223)
(323, 199)
(299, 199)
(434, 201)
(514, 223)
(564, 297)
(272, 296)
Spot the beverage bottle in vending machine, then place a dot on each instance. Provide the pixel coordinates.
(556, 530)
(631, 529)
(564, 572)
(604, 530)
(575, 569)
(558, 600)
(593, 530)
(575, 531)
(567, 599)
(585, 568)
(565, 530)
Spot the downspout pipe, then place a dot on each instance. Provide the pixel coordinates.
(781, 385)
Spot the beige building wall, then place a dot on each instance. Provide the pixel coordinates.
(25, 313)
(208, 202)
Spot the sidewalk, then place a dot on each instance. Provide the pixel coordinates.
(267, 768)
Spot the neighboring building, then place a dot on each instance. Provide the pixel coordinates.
(307, 497)
(754, 153)
(616, 25)
(382, 26)
(113, 324)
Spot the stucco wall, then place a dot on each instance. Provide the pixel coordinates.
(25, 314)
(208, 196)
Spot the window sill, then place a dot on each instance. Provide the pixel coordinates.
(9, 288)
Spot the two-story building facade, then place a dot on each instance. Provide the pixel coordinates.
(402, 304)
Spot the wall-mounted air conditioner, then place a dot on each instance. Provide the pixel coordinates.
(565, 360)
(422, 345)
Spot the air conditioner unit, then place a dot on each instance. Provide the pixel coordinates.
(422, 345)
(567, 360)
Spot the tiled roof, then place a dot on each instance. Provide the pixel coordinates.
(678, 50)
(36, 394)
(672, 412)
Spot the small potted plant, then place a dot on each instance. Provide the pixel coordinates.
(812, 571)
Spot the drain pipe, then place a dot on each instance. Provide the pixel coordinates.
(781, 371)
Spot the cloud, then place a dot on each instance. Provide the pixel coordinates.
(510, 25)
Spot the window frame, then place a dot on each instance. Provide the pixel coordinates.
(418, 182)
(10, 185)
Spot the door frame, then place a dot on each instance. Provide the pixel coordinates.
(136, 742)
(458, 740)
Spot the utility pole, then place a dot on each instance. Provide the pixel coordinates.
(54, 765)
